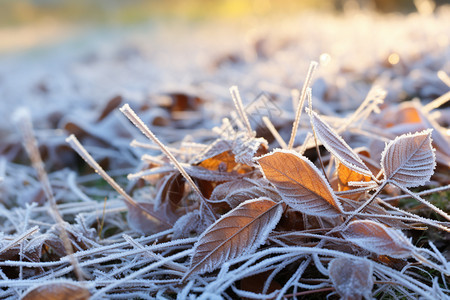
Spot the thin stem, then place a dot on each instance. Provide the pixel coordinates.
(76, 145)
(131, 115)
(375, 96)
(316, 140)
(20, 238)
(170, 264)
(444, 77)
(434, 208)
(422, 193)
(240, 108)
(362, 207)
(437, 102)
(142, 271)
(298, 113)
(274, 132)
(31, 146)
(304, 293)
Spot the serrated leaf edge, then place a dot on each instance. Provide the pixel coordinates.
(339, 207)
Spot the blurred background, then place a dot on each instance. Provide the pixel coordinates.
(27, 23)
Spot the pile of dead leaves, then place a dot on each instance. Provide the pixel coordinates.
(273, 223)
(237, 211)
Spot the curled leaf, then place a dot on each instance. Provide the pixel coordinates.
(378, 238)
(352, 279)
(409, 160)
(337, 146)
(238, 232)
(300, 183)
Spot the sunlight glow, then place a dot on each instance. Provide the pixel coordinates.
(393, 59)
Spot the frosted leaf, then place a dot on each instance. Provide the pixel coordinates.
(378, 238)
(237, 197)
(245, 148)
(189, 224)
(337, 146)
(57, 291)
(346, 177)
(238, 232)
(209, 175)
(216, 148)
(352, 279)
(170, 190)
(300, 183)
(409, 160)
(140, 220)
(223, 190)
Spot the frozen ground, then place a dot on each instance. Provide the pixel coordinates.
(177, 78)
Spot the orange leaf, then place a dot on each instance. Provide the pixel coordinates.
(58, 291)
(345, 175)
(224, 162)
(238, 232)
(300, 183)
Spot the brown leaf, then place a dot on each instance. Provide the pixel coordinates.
(140, 218)
(112, 104)
(409, 160)
(58, 291)
(337, 146)
(170, 190)
(238, 232)
(352, 279)
(223, 190)
(378, 238)
(237, 197)
(237, 191)
(300, 183)
(191, 224)
(224, 162)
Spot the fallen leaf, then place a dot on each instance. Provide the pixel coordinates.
(58, 291)
(300, 183)
(238, 232)
(352, 279)
(337, 146)
(224, 162)
(223, 190)
(378, 238)
(141, 220)
(345, 176)
(170, 191)
(409, 160)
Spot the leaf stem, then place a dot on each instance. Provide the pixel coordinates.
(240, 108)
(298, 113)
(274, 132)
(23, 119)
(76, 145)
(362, 207)
(418, 198)
(133, 117)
